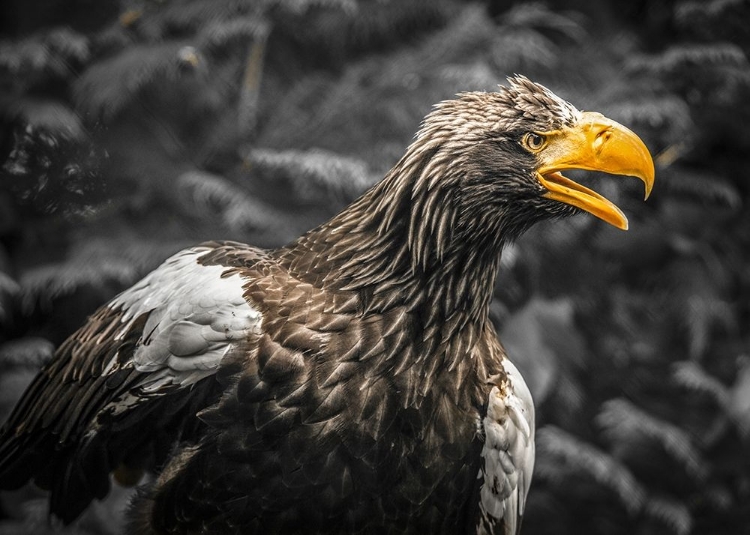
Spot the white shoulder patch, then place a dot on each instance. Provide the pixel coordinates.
(195, 314)
(507, 454)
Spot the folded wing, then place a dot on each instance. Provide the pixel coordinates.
(133, 362)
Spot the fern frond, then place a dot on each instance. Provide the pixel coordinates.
(142, 254)
(720, 497)
(621, 421)
(698, 281)
(352, 28)
(301, 6)
(674, 514)
(700, 17)
(702, 184)
(538, 15)
(103, 264)
(681, 57)
(52, 117)
(211, 195)
(42, 284)
(8, 285)
(703, 311)
(571, 394)
(732, 84)
(559, 451)
(317, 112)
(667, 115)
(71, 46)
(526, 38)
(478, 75)
(692, 376)
(700, 9)
(188, 17)
(196, 16)
(55, 53)
(294, 116)
(31, 351)
(220, 32)
(110, 85)
(315, 174)
(465, 32)
(523, 49)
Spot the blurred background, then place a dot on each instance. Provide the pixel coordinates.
(131, 129)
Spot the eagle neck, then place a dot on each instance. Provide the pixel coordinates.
(402, 244)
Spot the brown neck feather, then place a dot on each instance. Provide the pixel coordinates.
(398, 245)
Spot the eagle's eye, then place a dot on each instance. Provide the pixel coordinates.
(534, 141)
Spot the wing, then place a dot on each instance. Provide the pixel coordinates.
(507, 453)
(130, 381)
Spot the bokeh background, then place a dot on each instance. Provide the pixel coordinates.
(133, 128)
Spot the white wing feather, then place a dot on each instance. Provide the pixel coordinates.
(507, 454)
(196, 312)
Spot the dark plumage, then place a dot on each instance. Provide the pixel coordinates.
(349, 382)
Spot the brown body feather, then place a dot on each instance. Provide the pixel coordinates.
(327, 403)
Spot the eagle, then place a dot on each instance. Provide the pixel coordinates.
(349, 382)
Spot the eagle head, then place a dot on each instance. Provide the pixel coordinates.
(494, 161)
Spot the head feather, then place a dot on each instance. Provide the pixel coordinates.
(532, 101)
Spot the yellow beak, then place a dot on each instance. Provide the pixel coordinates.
(594, 144)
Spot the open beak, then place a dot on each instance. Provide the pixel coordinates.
(594, 144)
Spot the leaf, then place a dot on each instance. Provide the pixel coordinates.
(701, 184)
(544, 343)
(43, 284)
(477, 75)
(30, 351)
(105, 265)
(678, 58)
(53, 117)
(186, 17)
(350, 7)
(110, 85)
(54, 53)
(697, 281)
(220, 32)
(525, 39)
(621, 421)
(691, 375)
(667, 116)
(645, 246)
(315, 174)
(672, 513)
(377, 93)
(538, 15)
(523, 49)
(559, 452)
(711, 20)
(703, 312)
(208, 195)
(734, 400)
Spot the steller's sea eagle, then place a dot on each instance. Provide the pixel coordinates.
(350, 382)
